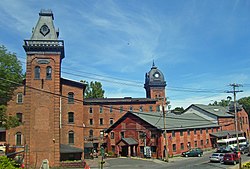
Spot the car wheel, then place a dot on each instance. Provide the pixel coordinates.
(186, 155)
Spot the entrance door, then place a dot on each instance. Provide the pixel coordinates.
(124, 151)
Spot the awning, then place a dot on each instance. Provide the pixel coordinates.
(69, 149)
(228, 133)
(127, 141)
(88, 145)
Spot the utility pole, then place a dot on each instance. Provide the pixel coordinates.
(234, 85)
(165, 132)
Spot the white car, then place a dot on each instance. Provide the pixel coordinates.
(216, 157)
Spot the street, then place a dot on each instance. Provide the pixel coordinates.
(174, 163)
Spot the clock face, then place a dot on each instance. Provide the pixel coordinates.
(156, 75)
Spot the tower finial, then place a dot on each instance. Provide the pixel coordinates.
(153, 63)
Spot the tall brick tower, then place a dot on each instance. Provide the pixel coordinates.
(155, 83)
(42, 117)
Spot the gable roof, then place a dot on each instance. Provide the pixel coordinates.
(173, 121)
(128, 141)
(218, 111)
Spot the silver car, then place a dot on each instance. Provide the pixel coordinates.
(216, 157)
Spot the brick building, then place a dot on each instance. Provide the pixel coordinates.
(58, 123)
(49, 107)
(56, 120)
(199, 126)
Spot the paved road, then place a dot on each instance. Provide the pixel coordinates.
(175, 163)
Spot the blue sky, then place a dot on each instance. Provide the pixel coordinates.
(200, 46)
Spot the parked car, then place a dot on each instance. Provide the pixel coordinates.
(231, 158)
(196, 152)
(216, 157)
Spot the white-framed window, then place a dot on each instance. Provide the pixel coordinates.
(19, 98)
(18, 138)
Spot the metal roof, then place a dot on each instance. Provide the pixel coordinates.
(69, 149)
(173, 121)
(218, 111)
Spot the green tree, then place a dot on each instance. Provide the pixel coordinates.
(93, 90)
(178, 110)
(10, 74)
(245, 101)
(223, 103)
(10, 78)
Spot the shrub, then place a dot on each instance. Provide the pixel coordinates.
(6, 162)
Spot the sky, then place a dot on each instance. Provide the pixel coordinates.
(200, 46)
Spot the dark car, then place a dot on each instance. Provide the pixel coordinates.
(196, 152)
(231, 158)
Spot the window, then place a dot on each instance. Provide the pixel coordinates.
(70, 97)
(112, 135)
(150, 108)
(19, 98)
(101, 121)
(141, 109)
(18, 138)
(131, 108)
(212, 130)
(174, 147)
(173, 134)
(90, 121)
(194, 131)
(141, 149)
(188, 132)
(3, 136)
(70, 117)
(122, 134)
(153, 149)
(153, 135)
(91, 133)
(71, 137)
(101, 109)
(195, 143)
(189, 145)
(121, 109)
(20, 117)
(202, 143)
(141, 134)
(111, 109)
(206, 130)
(158, 109)
(217, 129)
(90, 110)
(181, 133)
(111, 121)
(200, 131)
(207, 142)
(48, 72)
(37, 72)
(182, 146)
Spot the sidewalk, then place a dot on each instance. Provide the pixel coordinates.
(96, 162)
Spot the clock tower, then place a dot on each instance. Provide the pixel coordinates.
(42, 99)
(155, 83)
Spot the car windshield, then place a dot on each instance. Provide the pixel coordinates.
(215, 154)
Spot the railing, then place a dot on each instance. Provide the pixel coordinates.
(49, 43)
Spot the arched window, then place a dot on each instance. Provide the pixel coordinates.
(18, 138)
(19, 98)
(48, 72)
(71, 137)
(37, 72)
(70, 97)
(71, 117)
(91, 133)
